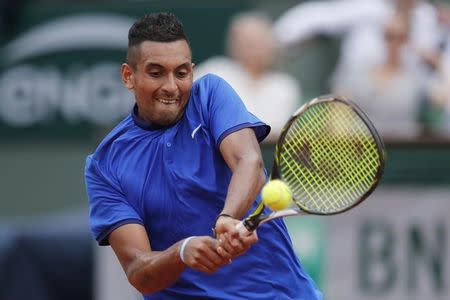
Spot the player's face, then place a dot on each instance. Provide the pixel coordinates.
(161, 80)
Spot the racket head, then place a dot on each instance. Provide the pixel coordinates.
(330, 155)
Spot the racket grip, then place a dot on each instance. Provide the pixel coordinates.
(242, 228)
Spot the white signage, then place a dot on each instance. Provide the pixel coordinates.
(33, 94)
(394, 246)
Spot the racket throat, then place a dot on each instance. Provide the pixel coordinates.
(252, 223)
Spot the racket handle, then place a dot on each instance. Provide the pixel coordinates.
(242, 228)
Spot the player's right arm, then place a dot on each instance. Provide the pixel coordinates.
(147, 270)
(150, 271)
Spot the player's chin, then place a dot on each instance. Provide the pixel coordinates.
(170, 116)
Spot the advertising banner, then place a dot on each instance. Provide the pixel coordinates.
(394, 246)
(64, 72)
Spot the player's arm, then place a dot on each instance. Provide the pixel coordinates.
(242, 153)
(150, 271)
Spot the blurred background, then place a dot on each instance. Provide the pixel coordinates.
(60, 93)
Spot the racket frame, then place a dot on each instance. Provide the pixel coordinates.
(257, 217)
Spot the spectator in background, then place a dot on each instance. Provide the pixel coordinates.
(359, 23)
(362, 45)
(427, 49)
(361, 26)
(390, 91)
(310, 19)
(270, 95)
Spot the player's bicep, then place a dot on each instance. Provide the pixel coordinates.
(241, 145)
(129, 243)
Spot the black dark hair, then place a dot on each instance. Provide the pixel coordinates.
(157, 27)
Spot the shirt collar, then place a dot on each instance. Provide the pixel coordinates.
(142, 123)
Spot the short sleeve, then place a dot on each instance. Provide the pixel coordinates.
(227, 113)
(108, 207)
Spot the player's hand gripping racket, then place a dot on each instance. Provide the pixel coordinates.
(329, 155)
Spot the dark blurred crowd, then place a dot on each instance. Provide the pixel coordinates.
(394, 61)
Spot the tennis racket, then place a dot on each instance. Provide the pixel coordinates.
(329, 155)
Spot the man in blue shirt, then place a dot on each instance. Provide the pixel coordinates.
(186, 159)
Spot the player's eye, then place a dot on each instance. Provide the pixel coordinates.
(155, 73)
(182, 74)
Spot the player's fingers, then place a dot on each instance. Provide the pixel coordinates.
(210, 256)
(205, 268)
(250, 239)
(236, 239)
(204, 263)
(226, 244)
(225, 255)
(235, 243)
(201, 255)
(212, 261)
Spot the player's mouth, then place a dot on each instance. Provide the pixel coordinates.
(167, 101)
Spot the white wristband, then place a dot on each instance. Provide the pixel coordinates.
(183, 246)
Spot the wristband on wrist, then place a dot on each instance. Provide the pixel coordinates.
(183, 247)
(217, 218)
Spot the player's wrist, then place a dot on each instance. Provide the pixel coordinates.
(221, 215)
(183, 248)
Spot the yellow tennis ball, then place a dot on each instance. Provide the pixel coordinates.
(276, 195)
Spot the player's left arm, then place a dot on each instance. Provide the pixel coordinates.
(242, 154)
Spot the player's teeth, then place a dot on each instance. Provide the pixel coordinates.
(167, 101)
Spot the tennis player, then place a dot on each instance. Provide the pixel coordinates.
(184, 161)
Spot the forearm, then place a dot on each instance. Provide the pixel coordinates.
(151, 272)
(246, 182)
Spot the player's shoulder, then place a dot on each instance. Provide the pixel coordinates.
(206, 86)
(208, 81)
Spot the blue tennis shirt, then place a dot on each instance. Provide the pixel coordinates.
(173, 181)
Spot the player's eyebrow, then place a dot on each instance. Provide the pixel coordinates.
(185, 65)
(157, 65)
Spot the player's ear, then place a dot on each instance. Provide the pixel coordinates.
(127, 76)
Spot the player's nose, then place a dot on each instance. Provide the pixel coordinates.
(169, 85)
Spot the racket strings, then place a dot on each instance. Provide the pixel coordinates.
(353, 133)
(329, 157)
(337, 158)
(320, 181)
(353, 177)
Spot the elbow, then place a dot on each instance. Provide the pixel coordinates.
(143, 290)
(147, 284)
(143, 286)
(141, 281)
(152, 273)
(138, 283)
